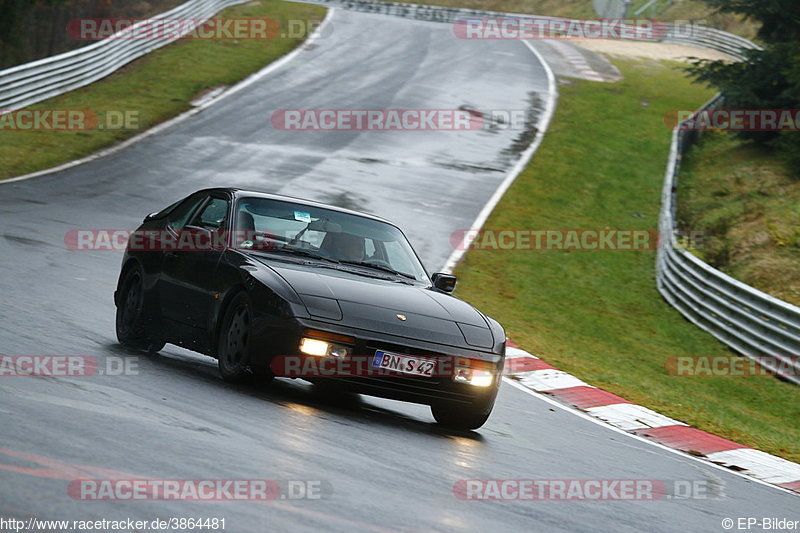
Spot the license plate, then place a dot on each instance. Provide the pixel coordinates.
(404, 364)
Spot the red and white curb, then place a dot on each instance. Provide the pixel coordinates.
(538, 376)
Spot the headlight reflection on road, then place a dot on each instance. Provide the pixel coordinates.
(466, 451)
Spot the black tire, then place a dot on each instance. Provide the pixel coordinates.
(261, 373)
(134, 326)
(457, 416)
(233, 345)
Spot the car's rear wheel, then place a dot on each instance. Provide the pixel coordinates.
(457, 416)
(132, 321)
(234, 350)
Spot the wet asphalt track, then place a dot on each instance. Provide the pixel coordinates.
(385, 465)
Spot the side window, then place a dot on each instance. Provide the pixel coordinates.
(180, 215)
(213, 215)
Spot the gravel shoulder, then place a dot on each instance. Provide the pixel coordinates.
(657, 51)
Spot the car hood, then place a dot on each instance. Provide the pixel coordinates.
(374, 304)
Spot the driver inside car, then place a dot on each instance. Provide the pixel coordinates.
(344, 246)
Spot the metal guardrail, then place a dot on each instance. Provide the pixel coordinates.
(750, 321)
(709, 38)
(417, 11)
(33, 82)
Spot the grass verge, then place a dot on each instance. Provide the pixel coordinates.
(156, 87)
(743, 198)
(598, 315)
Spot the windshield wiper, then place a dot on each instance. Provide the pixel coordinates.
(379, 267)
(305, 253)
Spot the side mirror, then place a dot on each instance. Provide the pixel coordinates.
(149, 217)
(444, 282)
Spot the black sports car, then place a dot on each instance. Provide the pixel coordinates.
(268, 284)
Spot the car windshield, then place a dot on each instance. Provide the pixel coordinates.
(335, 237)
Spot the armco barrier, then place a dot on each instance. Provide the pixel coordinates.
(33, 82)
(415, 11)
(709, 38)
(751, 322)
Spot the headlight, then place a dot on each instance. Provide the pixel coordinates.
(482, 378)
(466, 372)
(314, 347)
(325, 348)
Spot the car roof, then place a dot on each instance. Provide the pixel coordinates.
(241, 193)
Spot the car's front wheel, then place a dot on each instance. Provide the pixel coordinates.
(458, 416)
(132, 321)
(233, 349)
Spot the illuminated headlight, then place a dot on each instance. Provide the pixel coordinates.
(322, 348)
(477, 377)
(482, 378)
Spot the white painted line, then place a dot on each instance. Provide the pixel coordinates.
(269, 69)
(555, 403)
(760, 464)
(549, 379)
(208, 97)
(630, 416)
(541, 129)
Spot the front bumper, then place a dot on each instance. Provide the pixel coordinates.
(424, 390)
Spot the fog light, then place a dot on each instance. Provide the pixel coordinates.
(337, 350)
(323, 348)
